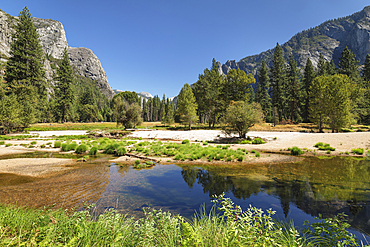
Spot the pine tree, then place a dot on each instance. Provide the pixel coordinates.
(330, 67)
(308, 76)
(278, 82)
(237, 86)
(187, 106)
(366, 71)
(321, 67)
(348, 65)
(208, 91)
(262, 94)
(24, 70)
(293, 93)
(64, 95)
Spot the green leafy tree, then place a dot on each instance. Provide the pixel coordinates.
(127, 115)
(208, 91)
(63, 90)
(348, 65)
(330, 101)
(262, 94)
(308, 76)
(24, 69)
(278, 82)
(240, 116)
(129, 97)
(237, 86)
(187, 106)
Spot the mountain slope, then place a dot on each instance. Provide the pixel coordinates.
(329, 38)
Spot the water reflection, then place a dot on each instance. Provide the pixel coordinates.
(325, 186)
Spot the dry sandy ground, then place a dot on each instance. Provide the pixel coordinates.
(276, 141)
(35, 167)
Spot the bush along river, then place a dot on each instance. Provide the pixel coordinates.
(296, 191)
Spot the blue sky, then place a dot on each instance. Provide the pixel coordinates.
(157, 46)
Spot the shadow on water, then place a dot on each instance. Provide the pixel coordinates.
(296, 191)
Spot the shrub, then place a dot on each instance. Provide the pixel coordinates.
(33, 142)
(81, 149)
(245, 142)
(2, 142)
(186, 141)
(253, 151)
(57, 144)
(258, 154)
(137, 162)
(93, 151)
(121, 151)
(296, 151)
(229, 159)
(42, 146)
(359, 151)
(73, 146)
(8, 145)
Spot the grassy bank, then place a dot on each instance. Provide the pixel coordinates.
(235, 227)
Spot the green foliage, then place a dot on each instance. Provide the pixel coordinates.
(330, 101)
(237, 86)
(262, 94)
(24, 72)
(319, 144)
(57, 144)
(127, 115)
(258, 141)
(331, 231)
(81, 149)
(348, 65)
(65, 147)
(186, 141)
(121, 151)
(233, 227)
(93, 151)
(295, 151)
(240, 116)
(129, 97)
(63, 90)
(324, 146)
(187, 106)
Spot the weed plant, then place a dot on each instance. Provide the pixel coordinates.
(81, 149)
(295, 151)
(57, 144)
(258, 141)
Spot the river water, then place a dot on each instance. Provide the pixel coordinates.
(296, 191)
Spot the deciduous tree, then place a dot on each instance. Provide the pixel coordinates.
(187, 106)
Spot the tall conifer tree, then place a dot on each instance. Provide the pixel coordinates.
(278, 81)
(366, 71)
(321, 67)
(308, 76)
(293, 92)
(262, 94)
(348, 65)
(64, 95)
(187, 106)
(24, 70)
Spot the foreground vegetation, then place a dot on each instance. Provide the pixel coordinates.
(233, 227)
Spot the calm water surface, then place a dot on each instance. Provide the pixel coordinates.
(296, 191)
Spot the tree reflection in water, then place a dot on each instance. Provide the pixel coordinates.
(316, 186)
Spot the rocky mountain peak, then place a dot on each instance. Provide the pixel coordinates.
(329, 38)
(53, 41)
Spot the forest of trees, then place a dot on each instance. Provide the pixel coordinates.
(328, 96)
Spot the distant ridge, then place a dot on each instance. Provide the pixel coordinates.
(329, 38)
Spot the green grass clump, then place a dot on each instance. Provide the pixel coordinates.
(121, 151)
(258, 154)
(8, 145)
(359, 151)
(295, 151)
(33, 142)
(245, 142)
(2, 142)
(93, 151)
(324, 146)
(258, 141)
(42, 146)
(65, 147)
(81, 149)
(319, 144)
(186, 141)
(57, 144)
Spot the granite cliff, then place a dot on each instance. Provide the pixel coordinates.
(329, 38)
(53, 40)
